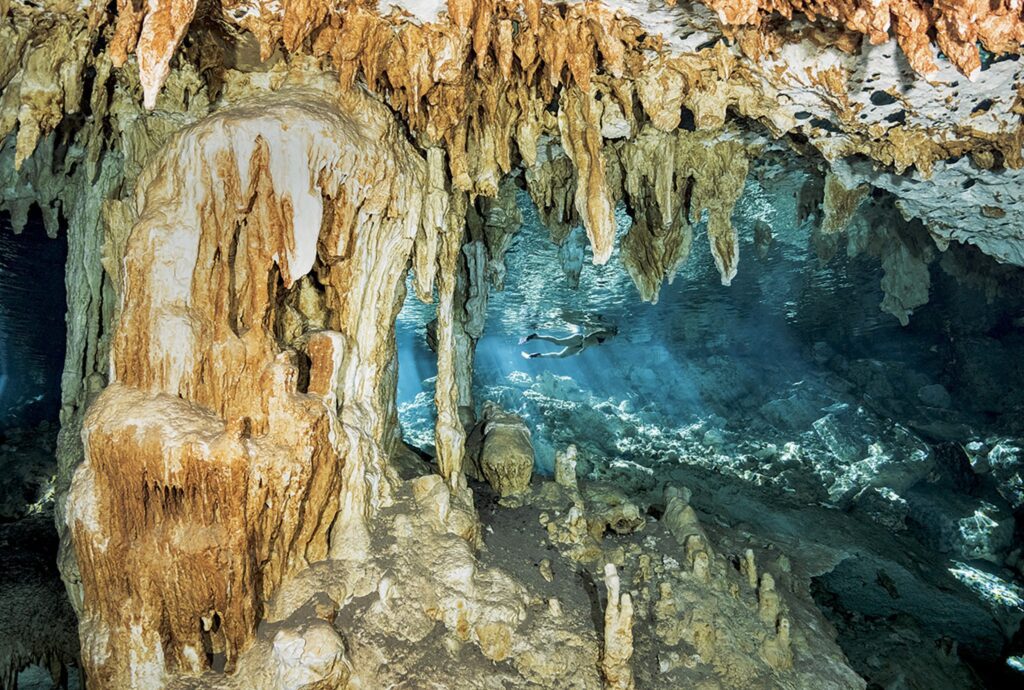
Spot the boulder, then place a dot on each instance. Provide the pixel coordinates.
(500, 451)
(863, 450)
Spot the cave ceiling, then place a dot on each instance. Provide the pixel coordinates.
(920, 99)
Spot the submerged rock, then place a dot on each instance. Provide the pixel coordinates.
(865, 451)
(500, 451)
(1003, 461)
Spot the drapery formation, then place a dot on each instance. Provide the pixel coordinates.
(244, 431)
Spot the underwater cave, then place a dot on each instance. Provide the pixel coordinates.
(853, 444)
(511, 344)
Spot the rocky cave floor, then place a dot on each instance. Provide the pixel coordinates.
(855, 580)
(902, 536)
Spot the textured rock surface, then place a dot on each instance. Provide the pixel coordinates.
(212, 427)
(957, 26)
(501, 451)
(690, 616)
(618, 634)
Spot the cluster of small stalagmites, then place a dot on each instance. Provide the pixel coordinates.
(956, 27)
(702, 628)
(579, 518)
(699, 611)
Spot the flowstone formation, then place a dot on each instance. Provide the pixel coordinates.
(219, 444)
(244, 187)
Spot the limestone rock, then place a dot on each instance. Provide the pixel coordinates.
(504, 457)
(618, 634)
(206, 449)
(867, 453)
(957, 27)
(565, 468)
(609, 508)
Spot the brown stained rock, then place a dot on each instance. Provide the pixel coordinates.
(215, 465)
(579, 121)
(470, 81)
(958, 25)
(839, 204)
(670, 180)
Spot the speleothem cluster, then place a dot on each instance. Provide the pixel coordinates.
(244, 186)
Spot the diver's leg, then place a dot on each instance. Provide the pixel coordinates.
(564, 352)
(574, 349)
(534, 355)
(564, 342)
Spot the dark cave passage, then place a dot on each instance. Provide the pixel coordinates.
(32, 330)
(32, 333)
(40, 641)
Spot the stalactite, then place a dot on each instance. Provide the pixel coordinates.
(502, 219)
(958, 27)
(579, 120)
(839, 204)
(905, 256)
(670, 180)
(551, 182)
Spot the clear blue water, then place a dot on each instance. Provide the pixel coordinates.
(708, 351)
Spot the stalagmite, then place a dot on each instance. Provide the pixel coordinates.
(565, 468)
(777, 651)
(618, 634)
(502, 453)
(749, 567)
(768, 600)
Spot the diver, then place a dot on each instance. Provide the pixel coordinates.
(573, 344)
